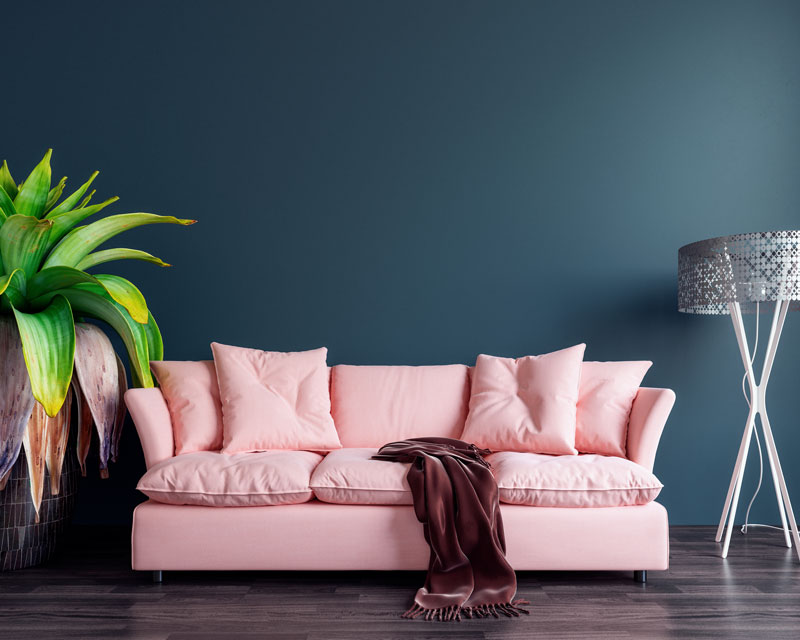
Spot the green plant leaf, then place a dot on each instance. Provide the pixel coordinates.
(155, 344)
(120, 290)
(12, 297)
(64, 222)
(12, 290)
(7, 208)
(70, 201)
(7, 182)
(80, 242)
(48, 343)
(23, 242)
(55, 194)
(107, 255)
(32, 195)
(86, 200)
(94, 301)
(125, 293)
(54, 278)
(17, 274)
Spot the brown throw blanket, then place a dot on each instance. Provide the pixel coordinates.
(455, 499)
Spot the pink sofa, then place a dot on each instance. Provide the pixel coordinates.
(316, 535)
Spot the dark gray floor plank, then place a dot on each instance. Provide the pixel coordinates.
(89, 591)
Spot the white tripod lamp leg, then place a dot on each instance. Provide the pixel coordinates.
(782, 482)
(738, 473)
(741, 462)
(775, 480)
(778, 318)
(732, 499)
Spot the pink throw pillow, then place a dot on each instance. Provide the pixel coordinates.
(192, 395)
(274, 400)
(606, 396)
(528, 404)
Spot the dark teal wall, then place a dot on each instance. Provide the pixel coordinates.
(418, 182)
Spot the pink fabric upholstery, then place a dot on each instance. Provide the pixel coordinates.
(349, 476)
(320, 536)
(192, 395)
(375, 405)
(273, 400)
(152, 420)
(572, 481)
(649, 414)
(606, 395)
(214, 479)
(528, 404)
(382, 537)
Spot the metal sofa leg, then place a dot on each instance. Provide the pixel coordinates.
(157, 576)
(638, 576)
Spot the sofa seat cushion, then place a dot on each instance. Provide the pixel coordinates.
(349, 476)
(241, 480)
(572, 481)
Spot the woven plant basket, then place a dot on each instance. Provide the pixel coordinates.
(23, 541)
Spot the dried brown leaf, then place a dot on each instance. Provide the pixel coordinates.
(96, 366)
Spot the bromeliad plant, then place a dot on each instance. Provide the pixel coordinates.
(44, 290)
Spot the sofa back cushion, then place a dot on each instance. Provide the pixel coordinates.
(274, 400)
(604, 405)
(192, 395)
(373, 405)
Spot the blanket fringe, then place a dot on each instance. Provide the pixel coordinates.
(454, 612)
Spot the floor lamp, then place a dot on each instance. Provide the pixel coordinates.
(736, 275)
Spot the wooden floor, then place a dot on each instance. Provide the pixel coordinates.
(90, 592)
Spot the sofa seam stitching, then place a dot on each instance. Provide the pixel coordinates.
(227, 493)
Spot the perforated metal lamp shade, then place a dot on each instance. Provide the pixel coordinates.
(735, 275)
(746, 268)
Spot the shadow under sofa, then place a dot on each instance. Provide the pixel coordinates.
(316, 535)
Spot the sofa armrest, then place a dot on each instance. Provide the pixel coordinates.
(151, 417)
(649, 414)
